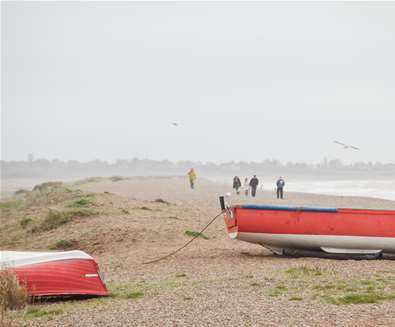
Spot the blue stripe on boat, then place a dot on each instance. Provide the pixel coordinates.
(286, 208)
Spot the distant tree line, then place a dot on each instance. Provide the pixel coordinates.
(43, 168)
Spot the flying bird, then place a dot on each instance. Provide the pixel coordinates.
(174, 124)
(347, 146)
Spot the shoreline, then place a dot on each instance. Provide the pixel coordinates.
(323, 188)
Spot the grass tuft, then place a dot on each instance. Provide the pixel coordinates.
(64, 245)
(12, 295)
(83, 202)
(196, 234)
(116, 178)
(53, 220)
(25, 222)
(135, 295)
(47, 187)
(9, 205)
(56, 219)
(126, 291)
(305, 271)
(161, 201)
(145, 208)
(37, 312)
(181, 275)
(325, 285)
(359, 298)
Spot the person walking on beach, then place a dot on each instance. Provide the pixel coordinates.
(246, 186)
(192, 177)
(254, 184)
(280, 187)
(236, 184)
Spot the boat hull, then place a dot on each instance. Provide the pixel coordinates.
(327, 243)
(58, 275)
(344, 231)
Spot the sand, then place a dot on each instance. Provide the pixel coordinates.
(212, 282)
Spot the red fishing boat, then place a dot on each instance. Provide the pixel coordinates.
(323, 232)
(55, 273)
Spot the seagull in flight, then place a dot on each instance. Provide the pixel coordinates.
(347, 146)
(174, 124)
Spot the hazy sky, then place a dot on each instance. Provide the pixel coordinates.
(246, 81)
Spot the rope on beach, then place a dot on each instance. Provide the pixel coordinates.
(187, 243)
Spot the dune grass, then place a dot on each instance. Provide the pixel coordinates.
(12, 295)
(359, 298)
(313, 283)
(10, 205)
(55, 219)
(47, 186)
(41, 312)
(47, 208)
(64, 245)
(82, 202)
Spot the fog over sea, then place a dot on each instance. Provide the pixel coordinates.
(382, 189)
(366, 188)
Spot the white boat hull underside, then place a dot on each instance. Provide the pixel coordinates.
(326, 243)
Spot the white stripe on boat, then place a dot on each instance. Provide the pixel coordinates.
(12, 259)
(91, 275)
(328, 243)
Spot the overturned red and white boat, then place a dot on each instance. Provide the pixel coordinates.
(55, 273)
(322, 232)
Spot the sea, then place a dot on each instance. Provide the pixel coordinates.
(372, 188)
(383, 189)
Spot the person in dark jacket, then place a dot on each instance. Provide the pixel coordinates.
(280, 187)
(236, 184)
(254, 184)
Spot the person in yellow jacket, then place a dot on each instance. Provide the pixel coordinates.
(192, 177)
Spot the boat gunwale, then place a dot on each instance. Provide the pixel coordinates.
(314, 209)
